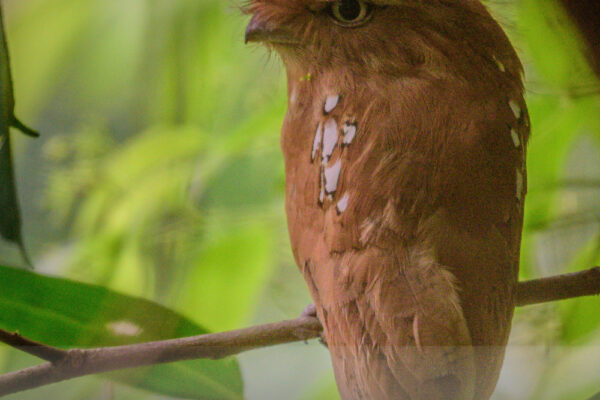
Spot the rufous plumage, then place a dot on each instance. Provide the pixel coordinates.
(404, 145)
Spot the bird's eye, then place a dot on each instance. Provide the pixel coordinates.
(350, 12)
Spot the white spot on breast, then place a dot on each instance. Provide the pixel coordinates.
(349, 131)
(515, 138)
(342, 205)
(332, 176)
(124, 328)
(516, 109)
(331, 103)
(330, 138)
(317, 141)
(321, 187)
(519, 185)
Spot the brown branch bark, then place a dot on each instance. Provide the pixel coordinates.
(79, 362)
(560, 287)
(36, 349)
(68, 364)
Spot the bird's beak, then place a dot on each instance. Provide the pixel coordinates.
(258, 31)
(255, 32)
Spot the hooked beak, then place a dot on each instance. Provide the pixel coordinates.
(257, 32)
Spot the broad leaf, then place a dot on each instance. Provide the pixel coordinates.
(68, 314)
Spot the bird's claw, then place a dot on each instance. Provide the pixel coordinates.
(311, 311)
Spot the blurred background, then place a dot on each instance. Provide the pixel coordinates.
(159, 175)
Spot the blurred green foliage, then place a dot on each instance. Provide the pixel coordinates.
(159, 175)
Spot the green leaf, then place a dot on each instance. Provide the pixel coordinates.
(10, 225)
(68, 314)
(10, 219)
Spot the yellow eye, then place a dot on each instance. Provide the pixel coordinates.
(350, 12)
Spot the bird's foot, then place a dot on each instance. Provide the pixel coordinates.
(311, 311)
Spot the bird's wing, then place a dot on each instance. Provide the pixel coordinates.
(415, 343)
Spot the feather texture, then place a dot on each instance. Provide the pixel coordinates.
(404, 189)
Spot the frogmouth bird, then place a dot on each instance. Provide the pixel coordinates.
(404, 145)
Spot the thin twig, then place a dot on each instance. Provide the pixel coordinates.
(37, 349)
(77, 362)
(560, 287)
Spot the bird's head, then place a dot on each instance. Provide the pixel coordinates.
(395, 37)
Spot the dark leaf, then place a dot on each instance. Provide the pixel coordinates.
(10, 220)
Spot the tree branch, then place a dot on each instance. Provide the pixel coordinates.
(36, 349)
(79, 362)
(559, 287)
(68, 364)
